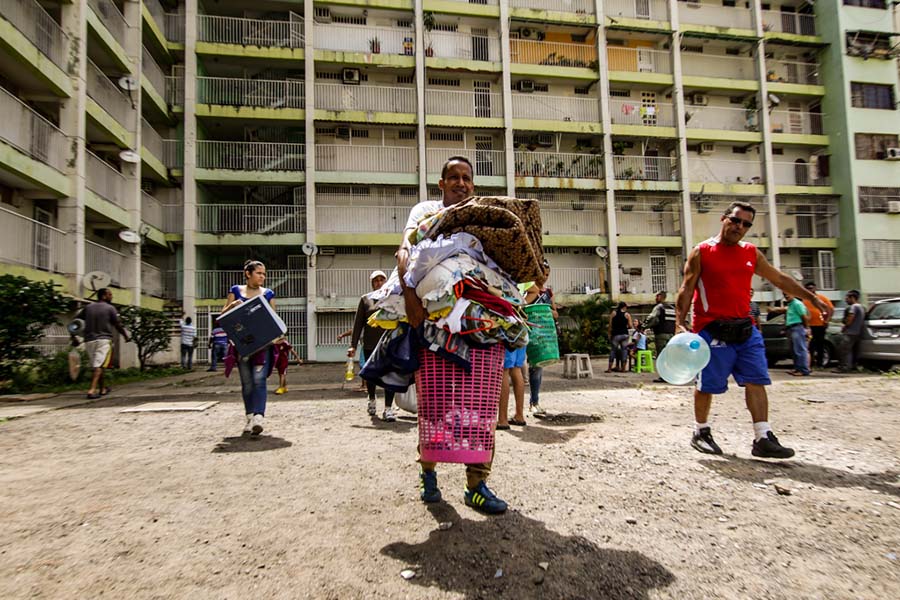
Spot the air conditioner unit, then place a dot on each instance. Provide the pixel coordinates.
(894, 207)
(526, 86)
(892, 154)
(527, 33)
(544, 139)
(350, 76)
(322, 15)
(342, 133)
(699, 99)
(707, 148)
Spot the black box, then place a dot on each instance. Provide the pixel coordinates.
(252, 326)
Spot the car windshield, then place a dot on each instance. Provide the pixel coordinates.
(887, 310)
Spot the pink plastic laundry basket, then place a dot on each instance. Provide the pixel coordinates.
(458, 410)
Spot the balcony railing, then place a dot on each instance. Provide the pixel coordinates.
(32, 244)
(650, 280)
(38, 27)
(366, 159)
(789, 71)
(717, 16)
(555, 108)
(646, 168)
(824, 277)
(638, 60)
(369, 98)
(487, 163)
(661, 218)
(724, 67)
(578, 218)
(463, 104)
(251, 218)
(788, 22)
(469, 46)
(105, 181)
(173, 218)
(634, 112)
(262, 93)
(151, 280)
(342, 283)
(581, 7)
(33, 135)
(105, 93)
(722, 117)
(154, 73)
(809, 221)
(175, 90)
(558, 164)
(251, 32)
(797, 122)
(174, 27)
(173, 154)
(251, 156)
(361, 219)
(717, 170)
(151, 211)
(801, 173)
(362, 38)
(655, 10)
(156, 11)
(151, 140)
(554, 54)
(101, 258)
(111, 17)
(574, 280)
(286, 283)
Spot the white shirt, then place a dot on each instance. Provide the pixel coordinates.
(420, 210)
(188, 333)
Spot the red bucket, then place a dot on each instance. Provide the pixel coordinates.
(458, 410)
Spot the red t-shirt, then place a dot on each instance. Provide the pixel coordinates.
(723, 290)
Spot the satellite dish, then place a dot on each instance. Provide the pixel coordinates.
(309, 249)
(797, 274)
(128, 83)
(601, 251)
(774, 100)
(96, 280)
(130, 156)
(129, 237)
(76, 327)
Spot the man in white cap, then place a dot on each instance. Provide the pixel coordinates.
(370, 337)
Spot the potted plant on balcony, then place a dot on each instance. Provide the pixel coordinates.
(428, 23)
(375, 45)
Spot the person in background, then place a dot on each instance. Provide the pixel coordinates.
(538, 294)
(101, 321)
(755, 313)
(638, 343)
(620, 323)
(370, 337)
(854, 321)
(818, 324)
(662, 322)
(796, 320)
(513, 370)
(188, 336)
(283, 352)
(218, 345)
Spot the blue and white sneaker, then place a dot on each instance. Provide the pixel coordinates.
(428, 487)
(484, 500)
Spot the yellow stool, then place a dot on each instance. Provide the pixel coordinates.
(643, 361)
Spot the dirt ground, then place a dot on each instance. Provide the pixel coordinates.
(608, 499)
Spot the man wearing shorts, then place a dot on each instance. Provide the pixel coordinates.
(717, 279)
(101, 321)
(513, 365)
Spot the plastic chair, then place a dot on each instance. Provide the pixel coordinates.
(643, 362)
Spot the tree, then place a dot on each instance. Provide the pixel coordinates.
(591, 319)
(29, 307)
(150, 330)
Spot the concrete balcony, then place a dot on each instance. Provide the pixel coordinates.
(645, 168)
(269, 98)
(40, 148)
(825, 277)
(799, 173)
(638, 60)
(116, 116)
(716, 16)
(342, 283)
(365, 99)
(105, 181)
(173, 218)
(342, 163)
(353, 219)
(173, 154)
(648, 217)
(561, 218)
(565, 165)
(798, 222)
(707, 170)
(579, 7)
(694, 64)
(488, 163)
(111, 17)
(32, 244)
(721, 118)
(173, 28)
(574, 280)
(264, 219)
(251, 156)
(259, 33)
(175, 91)
(450, 103)
(797, 122)
(152, 71)
(790, 71)
(458, 45)
(387, 41)
(287, 283)
(152, 212)
(634, 112)
(152, 281)
(152, 153)
(118, 265)
(640, 280)
(540, 107)
(39, 28)
(553, 54)
(652, 10)
(789, 22)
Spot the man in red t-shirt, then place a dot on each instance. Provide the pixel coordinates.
(717, 278)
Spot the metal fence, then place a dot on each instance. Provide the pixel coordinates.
(331, 325)
(363, 38)
(251, 218)
(369, 98)
(151, 280)
(656, 10)
(111, 17)
(581, 7)
(287, 33)
(151, 140)
(173, 218)
(789, 22)
(717, 16)
(38, 27)
(32, 134)
(463, 103)
(722, 117)
(174, 27)
(646, 168)
(800, 172)
(635, 112)
(717, 170)
(487, 162)
(554, 54)
(556, 108)
(101, 258)
(33, 244)
(574, 280)
(361, 219)
(342, 283)
(151, 211)
(173, 154)
(216, 283)
(558, 164)
(107, 94)
(791, 71)
(104, 180)
(251, 156)
(367, 159)
(484, 46)
(663, 219)
(175, 90)
(578, 218)
(262, 93)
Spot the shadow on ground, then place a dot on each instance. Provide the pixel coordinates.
(401, 425)
(535, 434)
(465, 560)
(251, 444)
(755, 471)
(567, 419)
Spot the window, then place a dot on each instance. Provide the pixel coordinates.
(445, 27)
(446, 136)
(406, 134)
(882, 253)
(443, 82)
(360, 133)
(405, 24)
(410, 79)
(619, 94)
(583, 91)
(866, 3)
(872, 95)
(541, 87)
(875, 199)
(868, 44)
(348, 20)
(873, 146)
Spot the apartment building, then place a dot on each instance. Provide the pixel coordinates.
(302, 133)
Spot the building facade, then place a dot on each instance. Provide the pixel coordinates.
(301, 133)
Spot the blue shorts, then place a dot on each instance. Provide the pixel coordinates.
(514, 358)
(746, 361)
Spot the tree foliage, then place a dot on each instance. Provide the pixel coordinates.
(150, 330)
(28, 307)
(589, 334)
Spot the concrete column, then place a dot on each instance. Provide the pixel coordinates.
(678, 101)
(132, 171)
(506, 82)
(73, 121)
(420, 100)
(608, 171)
(189, 258)
(309, 68)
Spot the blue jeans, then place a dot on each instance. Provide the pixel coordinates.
(187, 356)
(218, 353)
(798, 346)
(253, 384)
(535, 376)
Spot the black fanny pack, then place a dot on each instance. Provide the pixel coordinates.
(733, 331)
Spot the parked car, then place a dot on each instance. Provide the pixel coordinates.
(880, 339)
(778, 343)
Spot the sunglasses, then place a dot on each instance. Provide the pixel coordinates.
(740, 221)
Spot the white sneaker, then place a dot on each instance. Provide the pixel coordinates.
(536, 409)
(389, 415)
(248, 425)
(371, 407)
(256, 425)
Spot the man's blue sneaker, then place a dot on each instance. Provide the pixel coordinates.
(484, 500)
(428, 487)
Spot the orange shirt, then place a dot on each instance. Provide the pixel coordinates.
(815, 316)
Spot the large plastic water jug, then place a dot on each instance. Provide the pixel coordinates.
(683, 358)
